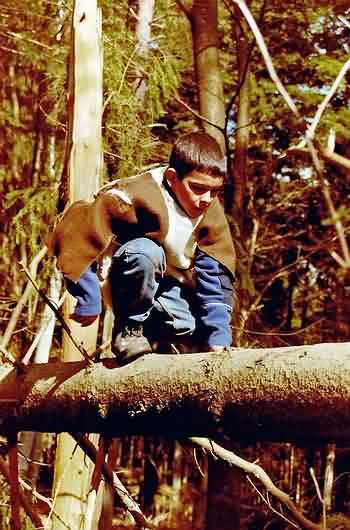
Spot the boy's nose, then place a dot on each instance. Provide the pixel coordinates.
(206, 197)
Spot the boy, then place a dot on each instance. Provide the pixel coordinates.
(172, 256)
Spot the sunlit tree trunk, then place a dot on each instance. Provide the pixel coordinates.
(242, 132)
(204, 24)
(329, 477)
(143, 39)
(16, 117)
(83, 167)
(203, 18)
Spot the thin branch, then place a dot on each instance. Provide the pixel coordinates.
(25, 502)
(263, 48)
(336, 158)
(344, 21)
(199, 116)
(310, 133)
(268, 503)
(44, 499)
(320, 498)
(187, 12)
(308, 140)
(60, 318)
(259, 473)
(14, 484)
(12, 359)
(33, 267)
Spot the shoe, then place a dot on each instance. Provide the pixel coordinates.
(130, 343)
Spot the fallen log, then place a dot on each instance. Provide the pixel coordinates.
(299, 394)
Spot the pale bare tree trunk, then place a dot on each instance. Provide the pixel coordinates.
(16, 116)
(84, 166)
(329, 477)
(48, 321)
(143, 38)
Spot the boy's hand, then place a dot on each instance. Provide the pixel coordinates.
(216, 348)
(84, 320)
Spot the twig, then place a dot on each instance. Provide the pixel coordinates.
(345, 261)
(320, 498)
(268, 503)
(12, 360)
(23, 300)
(344, 21)
(28, 355)
(60, 318)
(199, 116)
(261, 43)
(13, 478)
(310, 133)
(259, 473)
(197, 463)
(25, 502)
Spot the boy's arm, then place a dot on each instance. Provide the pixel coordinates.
(88, 295)
(215, 294)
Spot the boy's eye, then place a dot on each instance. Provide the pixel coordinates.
(197, 189)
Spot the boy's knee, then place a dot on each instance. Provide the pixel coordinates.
(142, 253)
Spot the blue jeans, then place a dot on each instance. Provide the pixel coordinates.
(141, 292)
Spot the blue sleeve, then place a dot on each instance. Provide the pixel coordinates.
(215, 295)
(87, 293)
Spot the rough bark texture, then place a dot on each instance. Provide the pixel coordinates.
(203, 19)
(296, 393)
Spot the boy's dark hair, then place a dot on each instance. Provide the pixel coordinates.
(197, 151)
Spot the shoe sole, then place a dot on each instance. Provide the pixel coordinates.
(127, 359)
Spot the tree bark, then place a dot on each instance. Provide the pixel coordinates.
(203, 18)
(277, 394)
(243, 118)
(83, 167)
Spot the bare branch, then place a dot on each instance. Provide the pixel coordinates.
(60, 318)
(263, 48)
(199, 116)
(345, 261)
(14, 483)
(23, 299)
(25, 502)
(231, 458)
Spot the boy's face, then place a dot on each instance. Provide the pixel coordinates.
(196, 191)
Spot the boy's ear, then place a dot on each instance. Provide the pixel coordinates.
(170, 175)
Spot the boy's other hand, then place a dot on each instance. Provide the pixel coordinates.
(83, 320)
(216, 348)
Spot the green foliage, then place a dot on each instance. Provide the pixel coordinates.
(128, 140)
(33, 206)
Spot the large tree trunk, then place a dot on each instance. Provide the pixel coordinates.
(264, 394)
(203, 18)
(204, 21)
(83, 168)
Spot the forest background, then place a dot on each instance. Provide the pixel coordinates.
(292, 288)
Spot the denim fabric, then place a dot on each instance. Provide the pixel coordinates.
(140, 291)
